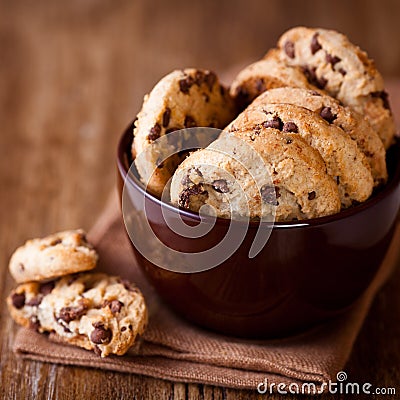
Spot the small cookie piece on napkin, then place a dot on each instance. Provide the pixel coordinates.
(95, 311)
(55, 255)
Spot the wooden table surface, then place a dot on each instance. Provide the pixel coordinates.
(71, 78)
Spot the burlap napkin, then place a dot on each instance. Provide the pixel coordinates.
(176, 350)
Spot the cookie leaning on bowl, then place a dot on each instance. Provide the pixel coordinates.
(333, 112)
(331, 62)
(258, 174)
(182, 99)
(94, 311)
(59, 254)
(344, 161)
(265, 75)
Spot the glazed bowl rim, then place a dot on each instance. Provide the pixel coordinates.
(376, 198)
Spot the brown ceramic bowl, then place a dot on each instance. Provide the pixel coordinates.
(307, 272)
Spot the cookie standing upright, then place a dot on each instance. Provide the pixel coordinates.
(257, 174)
(344, 161)
(183, 99)
(354, 124)
(265, 75)
(331, 62)
(98, 312)
(59, 254)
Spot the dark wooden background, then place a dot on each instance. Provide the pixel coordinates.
(72, 75)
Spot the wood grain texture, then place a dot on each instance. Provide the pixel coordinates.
(72, 75)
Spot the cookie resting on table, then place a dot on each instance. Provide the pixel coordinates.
(91, 310)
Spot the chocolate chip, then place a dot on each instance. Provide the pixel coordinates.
(368, 153)
(289, 141)
(189, 122)
(97, 350)
(242, 96)
(185, 84)
(47, 288)
(384, 97)
(290, 127)
(186, 194)
(220, 185)
(34, 323)
(18, 300)
(311, 195)
(311, 76)
(315, 93)
(55, 242)
(166, 117)
(289, 49)
(309, 72)
(35, 301)
(199, 77)
(69, 314)
(197, 171)
(186, 181)
(260, 85)
(315, 46)
(321, 82)
(127, 285)
(100, 335)
(269, 194)
(342, 71)
(82, 237)
(154, 132)
(115, 305)
(210, 78)
(332, 59)
(327, 115)
(130, 327)
(123, 329)
(66, 329)
(275, 123)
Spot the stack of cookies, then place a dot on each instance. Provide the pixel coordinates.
(314, 111)
(57, 297)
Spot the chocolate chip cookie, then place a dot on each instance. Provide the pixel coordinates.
(183, 99)
(55, 255)
(331, 62)
(344, 161)
(264, 75)
(93, 311)
(260, 173)
(345, 118)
